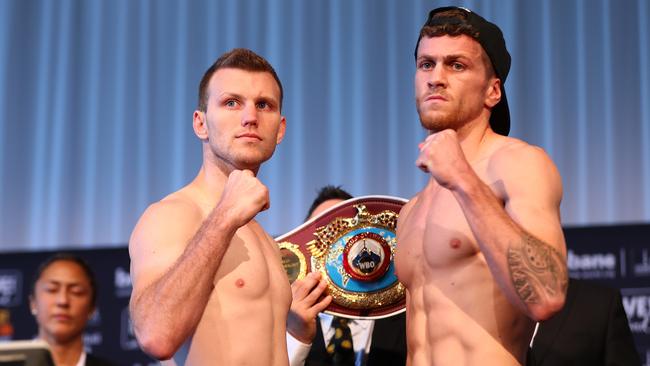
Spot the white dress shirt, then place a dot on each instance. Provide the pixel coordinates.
(82, 359)
(361, 339)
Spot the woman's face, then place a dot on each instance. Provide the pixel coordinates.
(62, 302)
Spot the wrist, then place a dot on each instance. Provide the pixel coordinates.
(301, 337)
(224, 219)
(461, 180)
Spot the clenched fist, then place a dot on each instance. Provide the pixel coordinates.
(442, 156)
(243, 197)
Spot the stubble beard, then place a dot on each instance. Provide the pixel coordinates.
(241, 158)
(435, 121)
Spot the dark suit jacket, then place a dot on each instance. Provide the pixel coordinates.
(592, 329)
(388, 345)
(96, 361)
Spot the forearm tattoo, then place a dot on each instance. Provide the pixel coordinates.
(537, 269)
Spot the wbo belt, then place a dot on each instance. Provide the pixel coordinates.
(352, 245)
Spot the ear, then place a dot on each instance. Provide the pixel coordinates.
(32, 305)
(281, 130)
(493, 93)
(200, 125)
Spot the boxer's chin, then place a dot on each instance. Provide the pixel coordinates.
(434, 121)
(430, 119)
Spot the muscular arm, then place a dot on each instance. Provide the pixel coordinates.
(172, 285)
(174, 258)
(516, 223)
(520, 237)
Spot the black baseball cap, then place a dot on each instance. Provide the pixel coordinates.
(489, 36)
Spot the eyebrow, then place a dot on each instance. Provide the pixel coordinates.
(264, 98)
(445, 58)
(269, 100)
(230, 95)
(57, 282)
(235, 95)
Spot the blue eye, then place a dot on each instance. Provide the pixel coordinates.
(231, 103)
(458, 66)
(426, 65)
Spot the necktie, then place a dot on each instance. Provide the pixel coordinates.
(340, 347)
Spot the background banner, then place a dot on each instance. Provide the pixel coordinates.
(616, 256)
(109, 333)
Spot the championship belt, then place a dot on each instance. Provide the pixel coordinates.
(352, 245)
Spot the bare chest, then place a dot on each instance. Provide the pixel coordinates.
(251, 268)
(434, 235)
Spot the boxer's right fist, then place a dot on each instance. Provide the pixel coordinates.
(243, 197)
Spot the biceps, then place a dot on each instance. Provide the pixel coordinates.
(153, 250)
(539, 220)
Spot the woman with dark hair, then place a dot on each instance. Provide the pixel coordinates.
(62, 300)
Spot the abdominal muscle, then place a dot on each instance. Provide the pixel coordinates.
(456, 313)
(465, 325)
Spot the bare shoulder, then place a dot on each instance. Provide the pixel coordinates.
(406, 210)
(162, 232)
(510, 151)
(519, 170)
(408, 205)
(175, 212)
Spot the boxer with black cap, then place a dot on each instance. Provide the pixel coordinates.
(480, 248)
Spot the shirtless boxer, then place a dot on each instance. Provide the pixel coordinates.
(480, 248)
(208, 283)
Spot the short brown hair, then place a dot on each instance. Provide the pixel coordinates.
(238, 58)
(451, 28)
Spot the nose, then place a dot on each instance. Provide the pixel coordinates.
(249, 116)
(62, 298)
(437, 77)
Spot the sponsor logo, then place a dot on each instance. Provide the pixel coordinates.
(93, 339)
(127, 335)
(637, 308)
(122, 280)
(592, 265)
(96, 319)
(642, 268)
(6, 329)
(10, 288)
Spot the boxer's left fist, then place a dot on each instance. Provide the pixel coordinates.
(442, 156)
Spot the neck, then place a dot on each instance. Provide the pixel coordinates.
(214, 165)
(210, 182)
(473, 137)
(65, 353)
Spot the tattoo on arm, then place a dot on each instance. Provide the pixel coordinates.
(537, 269)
